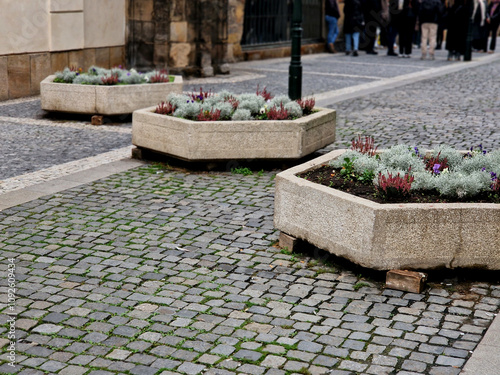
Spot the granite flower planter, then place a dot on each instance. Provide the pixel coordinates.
(386, 236)
(229, 140)
(101, 99)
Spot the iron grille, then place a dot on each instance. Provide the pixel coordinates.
(269, 21)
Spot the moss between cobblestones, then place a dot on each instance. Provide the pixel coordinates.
(218, 265)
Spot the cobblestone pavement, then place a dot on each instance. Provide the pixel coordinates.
(160, 271)
(32, 140)
(460, 109)
(156, 271)
(321, 73)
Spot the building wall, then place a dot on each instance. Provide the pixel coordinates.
(185, 36)
(39, 37)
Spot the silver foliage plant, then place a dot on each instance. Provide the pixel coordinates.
(464, 177)
(95, 75)
(249, 106)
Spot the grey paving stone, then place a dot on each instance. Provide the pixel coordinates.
(247, 354)
(197, 246)
(190, 368)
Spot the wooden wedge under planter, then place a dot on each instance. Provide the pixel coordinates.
(232, 140)
(102, 99)
(386, 236)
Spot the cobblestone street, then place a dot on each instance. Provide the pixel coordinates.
(160, 270)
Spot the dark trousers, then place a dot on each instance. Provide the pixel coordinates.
(369, 34)
(406, 30)
(392, 32)
(494, 31)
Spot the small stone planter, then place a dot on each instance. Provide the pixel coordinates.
(104, 100)
(386, 236)
(230, 140)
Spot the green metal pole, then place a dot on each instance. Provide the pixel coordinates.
(295, 71)
(468, 40)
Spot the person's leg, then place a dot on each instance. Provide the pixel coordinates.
(335, 29)
(348, 42)
(411, 31)
(331, 32)
(423, 41)
(355, 39)
(432, 38)
(391, 38)
(494, 32)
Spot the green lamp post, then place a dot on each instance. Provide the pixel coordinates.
(468, 40)
(295, 71)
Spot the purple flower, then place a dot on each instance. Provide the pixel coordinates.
(483, 169)
(128, 74)
(493, 176)
(435, 168)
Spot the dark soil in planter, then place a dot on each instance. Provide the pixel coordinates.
(331, 177)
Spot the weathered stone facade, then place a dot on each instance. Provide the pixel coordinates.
(191, 37)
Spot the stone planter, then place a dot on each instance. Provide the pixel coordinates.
(229, 140)
(104, 100)
(386, 236)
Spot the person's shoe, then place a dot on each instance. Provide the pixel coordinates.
(347, 53)
(408, 56)
(401, 56)
(371, 52)
(355, 53)
(423, 57)
(431, 57)
(391, 53)
(330, 47)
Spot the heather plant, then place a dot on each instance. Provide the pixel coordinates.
(307, 105)
(402, 168)
(394, 186)
(209, 115)
(364, 145)
(436, 164)
(115, 76)
(264, 93)
(277, 113)
(165, 108)
(243, 107)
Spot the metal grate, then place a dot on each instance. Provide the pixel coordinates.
(269, 21)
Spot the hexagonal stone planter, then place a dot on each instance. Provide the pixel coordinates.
(386, 236)
(229, 140)
(104, 100)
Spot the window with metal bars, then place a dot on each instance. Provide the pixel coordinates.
(269, 21)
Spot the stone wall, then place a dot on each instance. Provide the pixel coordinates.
(39, 37)
(187, 36)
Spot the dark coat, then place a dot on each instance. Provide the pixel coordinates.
(409, 10)
(332, 8)
(495, 17)
(353, 16)
(457, 33)
(430, 11)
